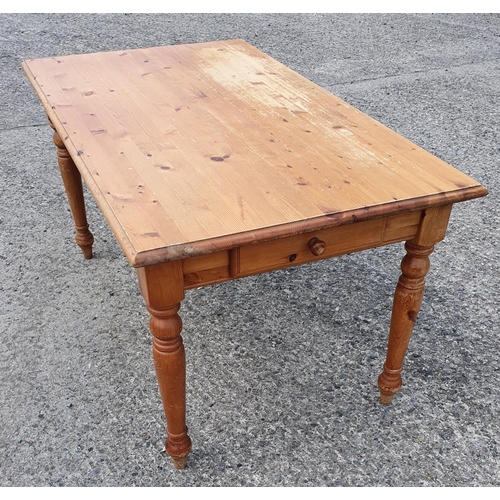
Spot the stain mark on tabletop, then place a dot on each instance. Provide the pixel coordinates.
(164, 167)
(151, 235)
(98, 131)
(217, 158)
(79, 153)
(337, 127)
(90, 92)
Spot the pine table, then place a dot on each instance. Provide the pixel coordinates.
(213, 161)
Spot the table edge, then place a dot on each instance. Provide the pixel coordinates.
(226, 242)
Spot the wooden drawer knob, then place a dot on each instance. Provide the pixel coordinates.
(316, 246)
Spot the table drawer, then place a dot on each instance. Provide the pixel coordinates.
(309, 247)
(299, 249)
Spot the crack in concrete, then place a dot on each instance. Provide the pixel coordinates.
(23, 126)
(436, 71)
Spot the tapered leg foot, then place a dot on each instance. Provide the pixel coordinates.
(386, 398)
(407, 301)
(84, 239)
(179, 463)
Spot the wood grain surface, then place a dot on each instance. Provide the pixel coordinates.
(193, 149)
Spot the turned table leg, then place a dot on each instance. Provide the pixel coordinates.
(73, 184)
(408, 296)
(407, 300)
(162, 287)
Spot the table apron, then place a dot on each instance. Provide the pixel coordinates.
(292, 251)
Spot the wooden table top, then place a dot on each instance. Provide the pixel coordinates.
(190, 149)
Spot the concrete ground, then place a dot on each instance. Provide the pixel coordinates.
(282, 367)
